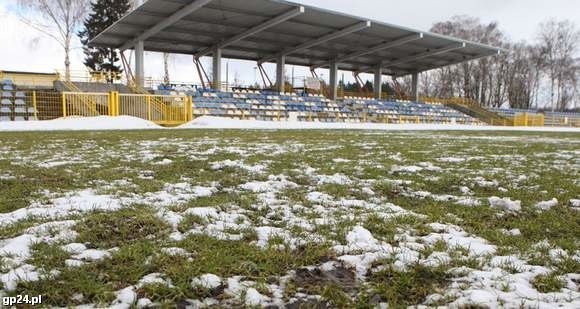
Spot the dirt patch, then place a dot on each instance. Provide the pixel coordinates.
(341, 276)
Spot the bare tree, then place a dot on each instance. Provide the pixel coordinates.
(58, 19)
(516, 76)
(476, 80)
(559, 42)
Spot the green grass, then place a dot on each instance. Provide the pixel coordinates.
(407, 288)
(108, 230)
(139, 232)
(548, 283)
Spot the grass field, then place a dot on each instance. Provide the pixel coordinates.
(302, 219)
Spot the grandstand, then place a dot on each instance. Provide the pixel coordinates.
(13, 105)
(262, 31)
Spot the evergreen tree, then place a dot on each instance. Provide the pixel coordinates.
(104, 13)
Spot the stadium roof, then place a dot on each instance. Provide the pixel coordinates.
(262, 30)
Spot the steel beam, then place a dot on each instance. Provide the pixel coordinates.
(254, 30)
(434, 52)
(374, 49)
(448, 63)
(318, 41)
(175, 17)
(430, 53)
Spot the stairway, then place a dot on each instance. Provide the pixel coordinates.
(163, 113)
(475, 110)
(88, 106)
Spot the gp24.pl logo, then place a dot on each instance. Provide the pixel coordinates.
(21, 300)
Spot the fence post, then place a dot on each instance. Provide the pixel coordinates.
(190, 105)
(117, 103)
(34, 105)
(148, 107)
(111, 98)
(63, 105)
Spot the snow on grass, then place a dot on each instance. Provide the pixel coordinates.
(547, 205)
(505, 204)
(209, 122)
(259, 168)
(250, 218)
(207, 281)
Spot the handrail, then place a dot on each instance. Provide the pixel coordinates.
(84, 97)
(158, 105)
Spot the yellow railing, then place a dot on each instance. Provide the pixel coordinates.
(155, 103)
(85, 104)
(173, 110)
(161, 109)
(528, 120)
(506, 122)
(90, 105)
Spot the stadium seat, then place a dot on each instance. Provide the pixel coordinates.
(19, 110)
(6, 102)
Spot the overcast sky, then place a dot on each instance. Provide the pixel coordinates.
(22, 48)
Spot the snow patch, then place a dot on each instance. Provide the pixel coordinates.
(547, 205)
(505, 204)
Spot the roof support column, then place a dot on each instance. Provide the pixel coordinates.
(280, 78)
(217, 69)
(378, 85)
(333, 82)
(139, 64)
(415, 87)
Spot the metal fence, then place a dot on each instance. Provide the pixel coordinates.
(528, 120)
(47, 105)
(86, 104)
(562, 121)
(161, 109)
(174, 110)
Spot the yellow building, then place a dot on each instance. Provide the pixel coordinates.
(30, 79)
